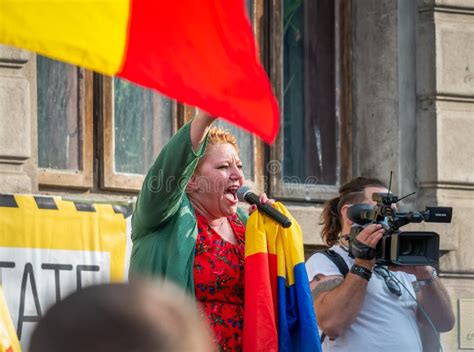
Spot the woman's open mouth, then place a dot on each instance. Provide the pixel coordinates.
(230, 193)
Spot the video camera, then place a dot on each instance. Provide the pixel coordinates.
(396, 247)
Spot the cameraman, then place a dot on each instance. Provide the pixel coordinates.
(368, 309)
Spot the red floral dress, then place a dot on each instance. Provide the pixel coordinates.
(219, 282)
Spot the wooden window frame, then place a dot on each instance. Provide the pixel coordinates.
(258, 25)
(343, 57)
(110, 179)
(81, 179)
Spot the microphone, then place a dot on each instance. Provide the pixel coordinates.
(244, 194)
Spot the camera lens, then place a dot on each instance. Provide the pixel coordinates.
(412, 247)
(406, 247)
(415, 248)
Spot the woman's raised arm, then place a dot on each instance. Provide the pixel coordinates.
(166, 180)
(199, 128)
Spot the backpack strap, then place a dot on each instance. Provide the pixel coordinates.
(337, 260)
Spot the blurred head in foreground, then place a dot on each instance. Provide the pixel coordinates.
(139, 316)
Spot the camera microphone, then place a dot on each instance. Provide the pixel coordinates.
(362, 214)
(244, 194)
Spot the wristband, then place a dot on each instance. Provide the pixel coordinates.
(361, 271)
(434, 277)
(360, 250)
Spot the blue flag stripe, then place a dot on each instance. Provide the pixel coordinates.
(297, 326)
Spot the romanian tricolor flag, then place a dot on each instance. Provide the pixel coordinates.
(200, 52)
(279, 314)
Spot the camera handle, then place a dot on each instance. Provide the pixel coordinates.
(358, 249)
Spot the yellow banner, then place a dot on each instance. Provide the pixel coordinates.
(51, 247)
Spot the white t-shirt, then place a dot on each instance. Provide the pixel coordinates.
(386, 322)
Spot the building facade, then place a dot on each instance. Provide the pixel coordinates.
(365, 87)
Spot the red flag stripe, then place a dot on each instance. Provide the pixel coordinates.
(260, 325)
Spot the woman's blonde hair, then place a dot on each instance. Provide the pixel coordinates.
(219, 135)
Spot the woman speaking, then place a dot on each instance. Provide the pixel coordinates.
(187, 228)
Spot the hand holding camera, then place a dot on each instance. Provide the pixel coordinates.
(370, 235)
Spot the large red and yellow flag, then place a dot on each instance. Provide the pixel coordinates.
(200, 52)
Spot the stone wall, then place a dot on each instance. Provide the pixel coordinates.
(17, 121)
(413, 93)
(445, 144)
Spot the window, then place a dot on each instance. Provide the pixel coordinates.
(64, 124)
(310, 66)
(131, 123)
(136, 124)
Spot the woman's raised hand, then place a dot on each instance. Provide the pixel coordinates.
(199, 127)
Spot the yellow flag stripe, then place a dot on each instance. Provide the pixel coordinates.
(87, 33)
(264, 235)
(255, 241)
(290, 247)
